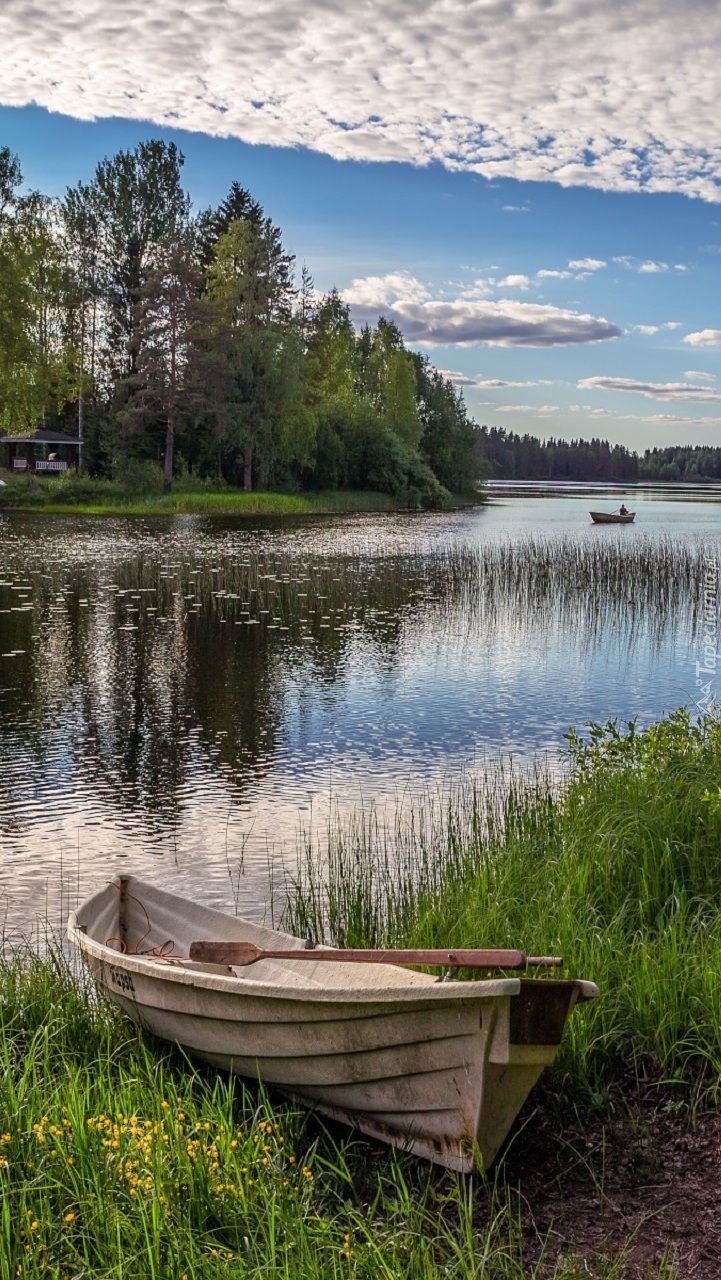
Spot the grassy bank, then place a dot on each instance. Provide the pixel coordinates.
(107, 498)
(118, 1159)
(618, 870)
(77, 495)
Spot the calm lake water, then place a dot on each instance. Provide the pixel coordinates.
(183, 697)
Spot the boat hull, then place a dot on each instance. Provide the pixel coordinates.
(440, 1069)
(602, 517)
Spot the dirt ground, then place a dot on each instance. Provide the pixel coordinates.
(647, 1181)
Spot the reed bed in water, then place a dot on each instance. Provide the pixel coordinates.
(643, 585)
(617, 868)
(341, 578)
(120, 1161)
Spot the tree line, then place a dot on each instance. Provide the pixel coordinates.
(188, 341)
(514, 457)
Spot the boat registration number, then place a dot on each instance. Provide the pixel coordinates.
(122, 980)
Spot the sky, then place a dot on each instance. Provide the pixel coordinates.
(531, 189)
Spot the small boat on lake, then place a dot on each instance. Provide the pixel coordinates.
(613, 517)
(439, 1068)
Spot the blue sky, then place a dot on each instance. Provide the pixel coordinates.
(534, 197)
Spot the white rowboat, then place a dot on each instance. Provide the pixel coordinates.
(438, 1068)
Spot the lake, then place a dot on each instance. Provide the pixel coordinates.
(188, 697)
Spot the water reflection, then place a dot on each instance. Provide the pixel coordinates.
(185, 694)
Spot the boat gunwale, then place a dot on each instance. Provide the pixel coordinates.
(232, 984)
(430, 990)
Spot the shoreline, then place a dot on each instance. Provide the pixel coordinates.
(220, 503)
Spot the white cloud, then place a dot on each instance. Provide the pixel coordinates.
(590, 411)
(515, 282)
(554, 275)
(373, 293)
(484, 384)
(665, 418)
(704, 338)
(616, 97)
(586, 264)
(516, 208)
(656, 328)
(527, 408)
(645, 267)
(466, 321)
(482, 287)
(699, 373)
(653, 390)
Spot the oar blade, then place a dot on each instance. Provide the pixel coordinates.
(235, 953)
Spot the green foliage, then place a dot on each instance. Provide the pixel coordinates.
(388, 381)
(10, 179)
(450, 442)
(247, 300)
(137, 476)
(81, 494)
(331, 366)
(183, 342)
(34, 347)
(355, 450)
(513, 457)
(137, 203)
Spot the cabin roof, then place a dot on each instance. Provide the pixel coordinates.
(43, 435)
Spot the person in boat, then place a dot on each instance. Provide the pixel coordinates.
(623, 510)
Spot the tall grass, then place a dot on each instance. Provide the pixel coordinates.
(80, 495)
(617, 868)
(120, 1161)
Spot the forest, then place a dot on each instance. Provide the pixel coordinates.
(514, 457)
(180, 343)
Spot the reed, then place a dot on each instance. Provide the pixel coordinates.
(641, 592)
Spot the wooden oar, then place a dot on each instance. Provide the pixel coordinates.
(244, 953)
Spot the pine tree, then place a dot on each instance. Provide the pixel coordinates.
(167, 314)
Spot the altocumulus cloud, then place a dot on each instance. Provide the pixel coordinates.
(617, 96)
(466, 321)
(654, 390)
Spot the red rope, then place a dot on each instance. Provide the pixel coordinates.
(165, 952)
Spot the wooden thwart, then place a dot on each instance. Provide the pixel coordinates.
(245, 953)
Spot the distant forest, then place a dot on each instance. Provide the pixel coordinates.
(514, 457)
(188, 343)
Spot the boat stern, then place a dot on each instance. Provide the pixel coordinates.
(522, 1045)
